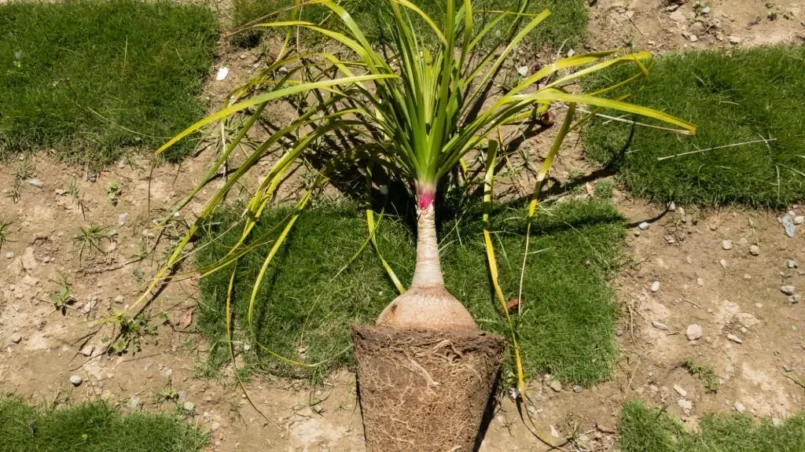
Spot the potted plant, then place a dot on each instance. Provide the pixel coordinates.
(414, 108)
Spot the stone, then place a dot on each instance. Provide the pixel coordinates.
(746, 319)
(678, 16)
(735, 339)
(121, 219)
(659, 325)
(789, 226)
(739, 407)
(120, 299)
(694, 332)
(87, 351)
(754, 250)
(693, 38)
(799, 219)
(686, 405)
(791, 263)
(555, 385)
(76, 380)
(734, 40)
(36, 183)
(16, 338)
(655, 286)
(217, 425)
(577, 389)
(189, 406)
(522, 71)
(723, 263)
(644, 225)
(788, 289)
(699, 282)
(726, 244)
(680, 390)
(787, 368)
(134, 402)
(794, 298)
(9, 255)
(28, 259)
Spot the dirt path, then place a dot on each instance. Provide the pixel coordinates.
(726, 292)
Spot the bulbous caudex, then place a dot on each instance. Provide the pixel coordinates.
(427, 305)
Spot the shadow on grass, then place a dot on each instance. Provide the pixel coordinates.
(303, 311)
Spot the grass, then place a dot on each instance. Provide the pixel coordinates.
(90, 79)
(92, 427)
(566, 327)
(735, 97)
(567, 26)
(645, 429)
(706, 374)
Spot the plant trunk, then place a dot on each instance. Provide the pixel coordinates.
(427, 305)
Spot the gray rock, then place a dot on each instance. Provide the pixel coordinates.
(655, 286)
(659, 325)
(726, 244)
(686, 405)
(694, 332)
(791, 263)
(577, 389)
(644, 225)
(735, 339)
(555, 385)
(734, 40)
(181, 396)
(787, 368)
(754, 250)
(796, 298)
(121, 219)
(189, 407)
(76, 380)
(789, 226)
(87, 351)
(16, 338)
(788, 289)
(36, 183)
(134, 402)
(522, 71)
(119, 299)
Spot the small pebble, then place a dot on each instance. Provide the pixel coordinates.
(522, 71)
(734, 40)
(659, 325)
(726, 244)
(134, 402)
(735, 339)
(747, 276)
(700, 282)
(16, 338)
(694, 332)
(36, 183)
(791, 263)
(739, 407)
(655, 286)
(119, 299)
(799, 219)
(794, 298)
(87, 351)
(189, 406)
(680, 390)
(787, 368)
(555, 385)
(754, 250)
(9, 255)
(577, 389)
(723, 263)
(76, 380)
(788, 289)
(644, 225)
(216, 425)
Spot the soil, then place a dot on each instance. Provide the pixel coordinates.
(725, 292)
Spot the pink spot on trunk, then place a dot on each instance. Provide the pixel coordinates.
(425, 198)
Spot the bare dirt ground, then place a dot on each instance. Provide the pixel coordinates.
(679, 276)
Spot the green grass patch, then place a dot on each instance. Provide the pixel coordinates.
(92, 427)
(302, 312)
(705, 373)
(644, 429)
(90, 79)
(566, 27)
(734, 97)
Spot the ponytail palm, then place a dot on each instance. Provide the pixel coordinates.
(413, 109)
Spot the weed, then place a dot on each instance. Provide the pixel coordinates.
(132, 331)
(113, 192)
(90, 238)
(4, 232)
(63, 297)
(168, 394)
(706, 374)
(21, 172)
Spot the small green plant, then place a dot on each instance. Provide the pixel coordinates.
(604, 188)
(705, 373)
(113, 192)
(3, 232)
(90, 238)
(132, 331)
(167, 394)
(22, 172)
(63, 297)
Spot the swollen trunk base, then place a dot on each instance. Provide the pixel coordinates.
(424, 390)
